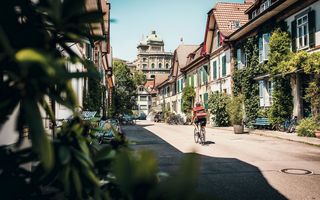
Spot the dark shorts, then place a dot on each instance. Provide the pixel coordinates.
(201, 121)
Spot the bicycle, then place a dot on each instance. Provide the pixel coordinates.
(199, 135)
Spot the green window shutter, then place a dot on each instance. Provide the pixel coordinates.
(215, 70)
(205, 98)
(177, 85)
(206, 73)
(312, 28)
(294, 35)
(224, 66)
(192, 81)
(182, 80)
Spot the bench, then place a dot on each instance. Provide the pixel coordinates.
(262, 122)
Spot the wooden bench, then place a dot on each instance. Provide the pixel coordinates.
(262, 122)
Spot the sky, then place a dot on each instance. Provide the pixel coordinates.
(171, 19)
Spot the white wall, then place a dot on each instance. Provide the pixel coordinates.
(225, 83)
(8, 134)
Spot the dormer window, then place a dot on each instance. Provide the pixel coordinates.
(265, 4)
(234, 25)
(254, 14)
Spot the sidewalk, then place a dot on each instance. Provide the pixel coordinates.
(278, 134)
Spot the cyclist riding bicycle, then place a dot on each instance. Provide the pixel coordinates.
(199, 115)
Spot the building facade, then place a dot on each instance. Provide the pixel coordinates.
(301, 20)
(152, 58)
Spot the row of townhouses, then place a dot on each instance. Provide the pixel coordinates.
(209, 67)
(97, 51)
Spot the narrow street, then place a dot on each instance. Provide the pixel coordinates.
(235, 166)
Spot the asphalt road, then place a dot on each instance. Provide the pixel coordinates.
(235, 166)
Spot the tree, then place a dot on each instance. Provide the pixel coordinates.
(92, 101)
(218, 108)
(139, 78)
(188, 99)
(125, 89)
(282, 103)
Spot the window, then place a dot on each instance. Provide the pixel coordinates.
(234, 25)
(224, 66)
(141, 89)
(144, 59)
(143, 98)
(152, 76)
(144, 66)
(143, 107)
(302, 32)
(264, 5)
(204, 74)
(214, 65)
(265, 93)
(167, 66)
(152, 65)
(241, 59)
(264, 47)
(160, 65)
(254, 14)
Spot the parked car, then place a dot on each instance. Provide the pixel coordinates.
(127, 119)
(142, 116)
(158, 117)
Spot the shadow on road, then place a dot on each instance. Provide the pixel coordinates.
(222, 178)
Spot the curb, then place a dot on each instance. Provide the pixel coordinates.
(270, 135)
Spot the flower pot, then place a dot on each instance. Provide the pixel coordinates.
(238, 129)
(317, 133)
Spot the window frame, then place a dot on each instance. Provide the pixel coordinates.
(304, 35)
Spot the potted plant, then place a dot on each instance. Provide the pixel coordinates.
(235, 111)
(317, 131)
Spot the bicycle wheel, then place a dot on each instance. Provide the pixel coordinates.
(203, 135)
(196, 135)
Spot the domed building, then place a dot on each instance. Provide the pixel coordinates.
(152, 58)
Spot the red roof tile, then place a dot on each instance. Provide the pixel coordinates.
(226, 13)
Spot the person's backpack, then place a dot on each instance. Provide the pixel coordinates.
(200, 112)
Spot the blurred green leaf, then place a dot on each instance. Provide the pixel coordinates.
(40, 142)
(76, 182)
(64, 155)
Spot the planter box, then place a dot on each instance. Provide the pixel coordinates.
(317, 133)
(238, 129)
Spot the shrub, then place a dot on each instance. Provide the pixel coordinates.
(307, 127)
(235, 110)
(218, 108)
(187, 99)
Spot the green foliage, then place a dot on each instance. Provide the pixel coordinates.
(34, 68)
(92, 100)
(235, 110)
(282, 101)
(307, 127)
(139, 78)
(218, 108)
(70, 166)
(279, 46)
(313, 95)
(244, 82)
(187, 99)
(125, 89)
